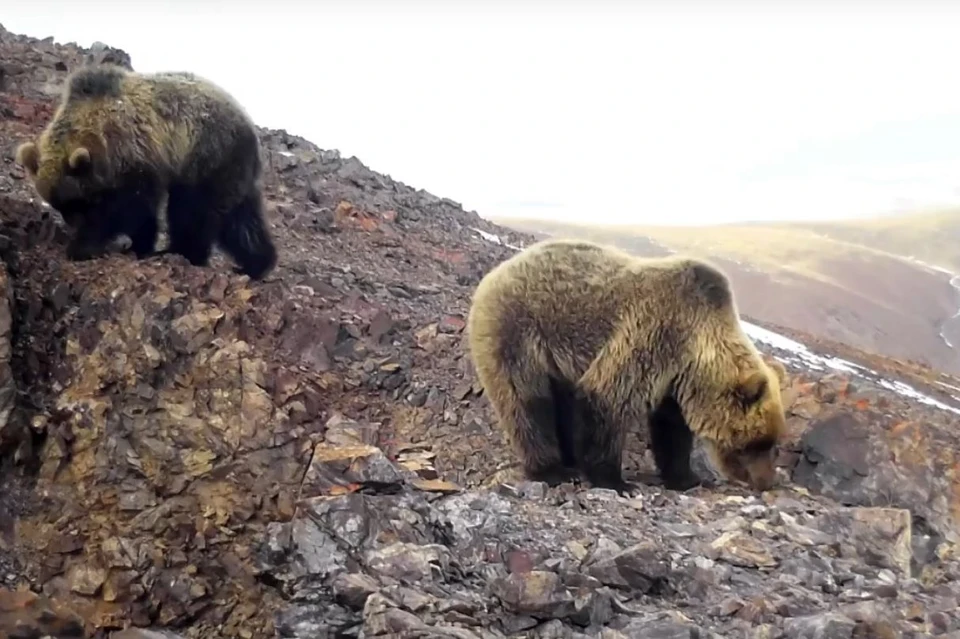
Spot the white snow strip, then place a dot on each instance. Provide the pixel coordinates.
(490, 237)
(932, 267)
(912, 393)
(495, 239)
(801, 355)
(286, 154)
(950, 386)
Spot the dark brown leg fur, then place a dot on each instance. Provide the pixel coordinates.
(192, 223)
(529, 405)
(671, 443)
(543, 444)
(600, 445)
(129, 210)
(244, 235)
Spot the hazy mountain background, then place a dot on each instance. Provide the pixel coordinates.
(881, 284)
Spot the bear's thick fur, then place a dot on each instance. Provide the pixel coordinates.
(121, 142)
(576, 344)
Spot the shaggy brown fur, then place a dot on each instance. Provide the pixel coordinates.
(576, 343)
(119, 141)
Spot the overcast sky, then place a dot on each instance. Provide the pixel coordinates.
(640, 112)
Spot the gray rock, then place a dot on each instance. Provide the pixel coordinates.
(315, 552)
(382, 618)
(876, 536)
(820, 626)
(847, 457)
(140, 633)
(661, 626)
(409, 563)
(353, 589)
(643, 567)
(538, 593)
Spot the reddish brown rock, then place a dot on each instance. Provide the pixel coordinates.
(452, 324)
(26, 614)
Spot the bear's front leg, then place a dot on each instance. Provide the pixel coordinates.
(88, 242)
(132, 210)
(671, 442)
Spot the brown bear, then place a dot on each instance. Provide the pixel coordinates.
(576, 343)
(121, 142)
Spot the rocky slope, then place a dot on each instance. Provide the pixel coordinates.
(189, 454)
(845, 281)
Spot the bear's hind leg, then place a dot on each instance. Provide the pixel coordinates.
(546, 448)
(190, 223)
(526, 410)
(671, 442)
(566, 420)
(244, 235)
(600, 447)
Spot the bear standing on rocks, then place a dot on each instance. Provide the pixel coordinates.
(120, 141)
(577, 343)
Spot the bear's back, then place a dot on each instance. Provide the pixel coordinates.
(566, 296)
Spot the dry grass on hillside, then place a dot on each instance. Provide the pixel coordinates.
(930, 236)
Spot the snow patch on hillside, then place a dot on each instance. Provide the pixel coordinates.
(795, 353)
(495, 239)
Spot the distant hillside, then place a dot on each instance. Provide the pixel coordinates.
(872, 283)
(929, 236)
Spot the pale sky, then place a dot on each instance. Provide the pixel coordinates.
(642, 111)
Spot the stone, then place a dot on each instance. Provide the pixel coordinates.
(820, 626)
(451, 324)
(659, 630)
(353, 589)
(139, 633)
(536, 593)
(744, 550)
(409, 562)
(846, 457)
(26, 614)
(879, 537)
(338, 469)
(642, 567)
(86, 579)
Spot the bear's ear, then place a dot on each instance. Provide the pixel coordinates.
(28, 157)
(80, 161)
(752, 387)
(89, 146)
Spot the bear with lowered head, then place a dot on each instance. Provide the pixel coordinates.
(120, 143)
(576, 344)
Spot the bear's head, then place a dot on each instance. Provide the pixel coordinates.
(741, 423)
(64, 171)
